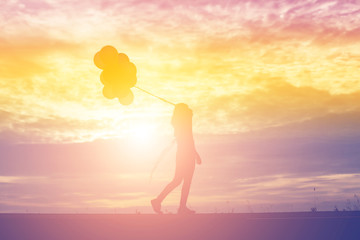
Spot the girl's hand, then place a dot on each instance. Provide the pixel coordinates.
(198, 159)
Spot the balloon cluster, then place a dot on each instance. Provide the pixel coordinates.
(118, 75)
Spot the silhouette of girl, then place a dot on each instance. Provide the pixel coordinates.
(185, 158)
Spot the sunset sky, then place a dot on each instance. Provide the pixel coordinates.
(274, 87)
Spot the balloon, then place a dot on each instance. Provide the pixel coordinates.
(120, 91)
(128, 99)
(111, 76)
(102, 78)
(132, 68)
(109, 55)
(131, 74)
(123, 58)
(118, 75)
(132, 81)
(108, 92)
(98, 62)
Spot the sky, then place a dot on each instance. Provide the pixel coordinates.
(274, 87)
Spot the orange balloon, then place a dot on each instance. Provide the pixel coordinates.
(128, 99)
(102, 78)
(132, 81)
(128, 74)
(108, 92)
(123, 58)
(118, 75)
(121, 90)
(131, 77)
(132, 68)
(98, 62)
(111, 76)
(109, 56)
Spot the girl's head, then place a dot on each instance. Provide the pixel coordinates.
(182, 115)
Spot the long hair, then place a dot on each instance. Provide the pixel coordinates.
(182, 119)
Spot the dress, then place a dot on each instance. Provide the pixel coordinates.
(185, 155)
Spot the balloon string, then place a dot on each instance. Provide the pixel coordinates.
(162, 99)
(161, 157)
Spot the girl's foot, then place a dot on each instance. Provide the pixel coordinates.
(185, 210)
(156, 205)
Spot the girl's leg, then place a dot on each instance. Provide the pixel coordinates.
(186, 186)
(171, 186)
(156, 203)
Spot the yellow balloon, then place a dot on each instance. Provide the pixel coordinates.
(132, 81)
(131, 75)
(118, 75)
(128, 99)
(123, 58)
(102, 78)
(132, 68)
(110, 76)
(121, 90)
(109, 56)
(108, 92)
(98, 62)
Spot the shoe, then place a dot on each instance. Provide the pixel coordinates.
(156, 205)
(185, 210)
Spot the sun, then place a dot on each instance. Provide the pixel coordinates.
(142, 134)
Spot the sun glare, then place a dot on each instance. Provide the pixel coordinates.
(141, 134)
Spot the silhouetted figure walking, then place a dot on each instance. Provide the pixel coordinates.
(185, 158)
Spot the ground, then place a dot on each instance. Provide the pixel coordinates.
(269, 226)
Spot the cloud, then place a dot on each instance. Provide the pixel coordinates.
(67, 193)
(285, 163)
(285, 71)
(25, 128)
(225, 54)
(276, 102)
(279, 160)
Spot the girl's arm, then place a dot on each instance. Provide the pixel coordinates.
(198, 158)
